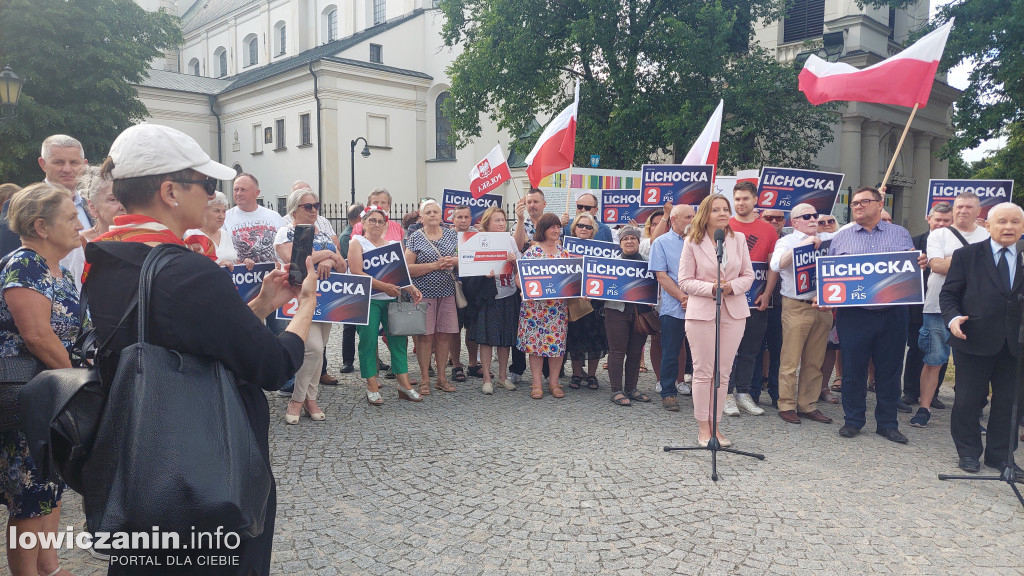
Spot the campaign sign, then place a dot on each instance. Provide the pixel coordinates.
(621, 206)
(551, 278)
(804, 258)
(784, 188)
(619, 280)
(340, 299)
(387, 264)
(760, 280)
(481, 253)
(990, 192)
(598, 248)
(887, 279)
(249, 282)
(681, 184)
(477, 206)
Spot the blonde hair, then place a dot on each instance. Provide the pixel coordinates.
(699, 226)
(581, 216)
(40, 200)
(485, 219)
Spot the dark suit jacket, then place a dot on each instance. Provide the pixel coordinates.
(9, 241)
(972, 289)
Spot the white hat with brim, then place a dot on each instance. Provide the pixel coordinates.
(152, 150)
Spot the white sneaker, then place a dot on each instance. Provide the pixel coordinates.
(684, 388)
(745, 403)
(488, 388)
(657, 387)
(688, 378)
(730, 406)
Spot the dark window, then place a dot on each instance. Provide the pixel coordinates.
(284, 41)
(804, 19)
(379, 12)
(282, 206)
(445, 149)
(254, 51)
(892, 23)
(332, 25)
(223, 61)
(279, 126)
(376, 53)
(195, 67)
(307, 137)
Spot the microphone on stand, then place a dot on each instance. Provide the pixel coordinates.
(719, 243)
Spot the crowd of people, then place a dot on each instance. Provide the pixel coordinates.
(157, 186)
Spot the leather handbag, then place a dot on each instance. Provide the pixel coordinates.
(647, 323)
(14, 373)
(578, 308)
(407, 319)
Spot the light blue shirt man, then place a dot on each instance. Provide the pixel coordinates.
(665, 253)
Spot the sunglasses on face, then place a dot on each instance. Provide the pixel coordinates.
(775, 218)
(827, 221)
(806, 217)
(585, 226)
(310, 206)
(210, 184)
(583, 207)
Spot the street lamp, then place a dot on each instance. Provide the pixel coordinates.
(366, 154)
(10, 93)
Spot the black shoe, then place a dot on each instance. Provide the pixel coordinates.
(848, 431)
(475, 371)
(969, 464)
(347, 368)
(383, 367)
(910, 399)
(1002, 466)
(389, 375)
(937, 404)
(903, 407)
(892, 434)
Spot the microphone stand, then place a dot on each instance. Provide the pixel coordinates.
(714, 446)
(1009, 474)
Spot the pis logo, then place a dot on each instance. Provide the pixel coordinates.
(484, 168)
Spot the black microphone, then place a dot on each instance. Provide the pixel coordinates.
(719, 242)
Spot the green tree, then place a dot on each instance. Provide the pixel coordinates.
(79, 59)
(652, 72)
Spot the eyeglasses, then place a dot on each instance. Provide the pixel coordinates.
(209, 183)
(585, 226)
(587, 208)
(827, 221)
(309, 206)
(859, 203)
(806, 217)
(774, 218)
(375, 221)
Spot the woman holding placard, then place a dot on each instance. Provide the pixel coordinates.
(374, 221)
(586, 340)
(698, 277)
(625, 343)
(543, 323)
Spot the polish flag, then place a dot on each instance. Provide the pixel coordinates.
(902, 80)
(556, 146)
(705, 150)
(488, 173)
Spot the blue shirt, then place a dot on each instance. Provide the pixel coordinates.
(1011, 258)
(666, 250)
(884, 237)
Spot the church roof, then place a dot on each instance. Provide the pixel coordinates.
(204, 12)
(185, 82)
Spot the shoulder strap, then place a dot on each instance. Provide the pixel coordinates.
(958, 235)
(155, 261)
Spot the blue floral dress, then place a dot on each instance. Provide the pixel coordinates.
(24, 494)
(543, 323)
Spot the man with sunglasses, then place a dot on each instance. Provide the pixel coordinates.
(587, 202)
(805, 325)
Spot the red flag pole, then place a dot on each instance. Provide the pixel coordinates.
(899, 146)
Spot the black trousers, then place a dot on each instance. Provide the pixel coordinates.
(348, 344)
(974, 374)
(747, 353)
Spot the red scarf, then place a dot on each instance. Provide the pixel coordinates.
(138, 228)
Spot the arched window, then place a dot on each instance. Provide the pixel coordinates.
(332, 24)
(221, 55)
(280, 39)
(442, 130)
(252, 50)
(193, 66)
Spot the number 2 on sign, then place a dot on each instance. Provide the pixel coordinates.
(448, 212)
(533, 289)
(291, 307)
(768, 198)
(595, 287)
(835, 293)
(652, 195)
(611, 215)
(804, 281)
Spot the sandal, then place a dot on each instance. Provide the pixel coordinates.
(459, 375)
(536, 392)
(575, 382)
(425, 389)
(592, 383)
(827, 396)
(621, 399)
(638, 396)
(643, 369)
(557, 391)
(837, 385)
(475, 371)
(444, 386)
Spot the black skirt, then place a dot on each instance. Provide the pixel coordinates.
(495, 323)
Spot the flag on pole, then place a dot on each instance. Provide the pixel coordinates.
(488, 173)
(902, 80)
(556, 146)
(705, 150)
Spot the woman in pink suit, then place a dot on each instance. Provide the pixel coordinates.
(698, 277)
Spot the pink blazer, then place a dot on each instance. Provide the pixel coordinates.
(697, 276)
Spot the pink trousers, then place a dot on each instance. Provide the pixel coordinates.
(701, 334)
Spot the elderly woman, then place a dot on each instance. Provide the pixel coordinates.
(625, 344)
(99, 199)
(194, 307)
(38, 319)
(586, 340)
(304, 208)
(430, 253)
(216, 209)
(543, 323)
(375, 221)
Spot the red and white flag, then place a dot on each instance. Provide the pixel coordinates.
(902, 80)
(556, 146)
(705, 150)
(488, 173)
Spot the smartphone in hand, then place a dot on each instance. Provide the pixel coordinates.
(302, 248)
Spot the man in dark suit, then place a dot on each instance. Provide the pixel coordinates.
(979, 303)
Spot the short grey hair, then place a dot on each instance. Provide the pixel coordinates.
(218, 198)
(91, 183)
(804, 207)
(1006, 206)
(940, 208)
(61, 140)
(294, 198)
(377, 192)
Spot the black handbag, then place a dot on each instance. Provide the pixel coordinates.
(14, 373)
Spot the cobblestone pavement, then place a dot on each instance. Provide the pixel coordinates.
(464, 483)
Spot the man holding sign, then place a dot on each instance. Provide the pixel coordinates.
(587, 202)
(805, 326)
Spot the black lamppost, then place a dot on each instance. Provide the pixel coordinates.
(366, 154)
(10, 93)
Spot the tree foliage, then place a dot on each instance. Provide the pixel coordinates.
(651, 72)
(79, 59)
(1002, 164)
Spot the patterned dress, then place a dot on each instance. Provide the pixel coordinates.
(24, 494)
(543, 323)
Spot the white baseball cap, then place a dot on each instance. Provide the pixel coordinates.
(152, 149)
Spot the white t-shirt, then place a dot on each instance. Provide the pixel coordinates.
(225, 250)
(941, 244)
(252, 233)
